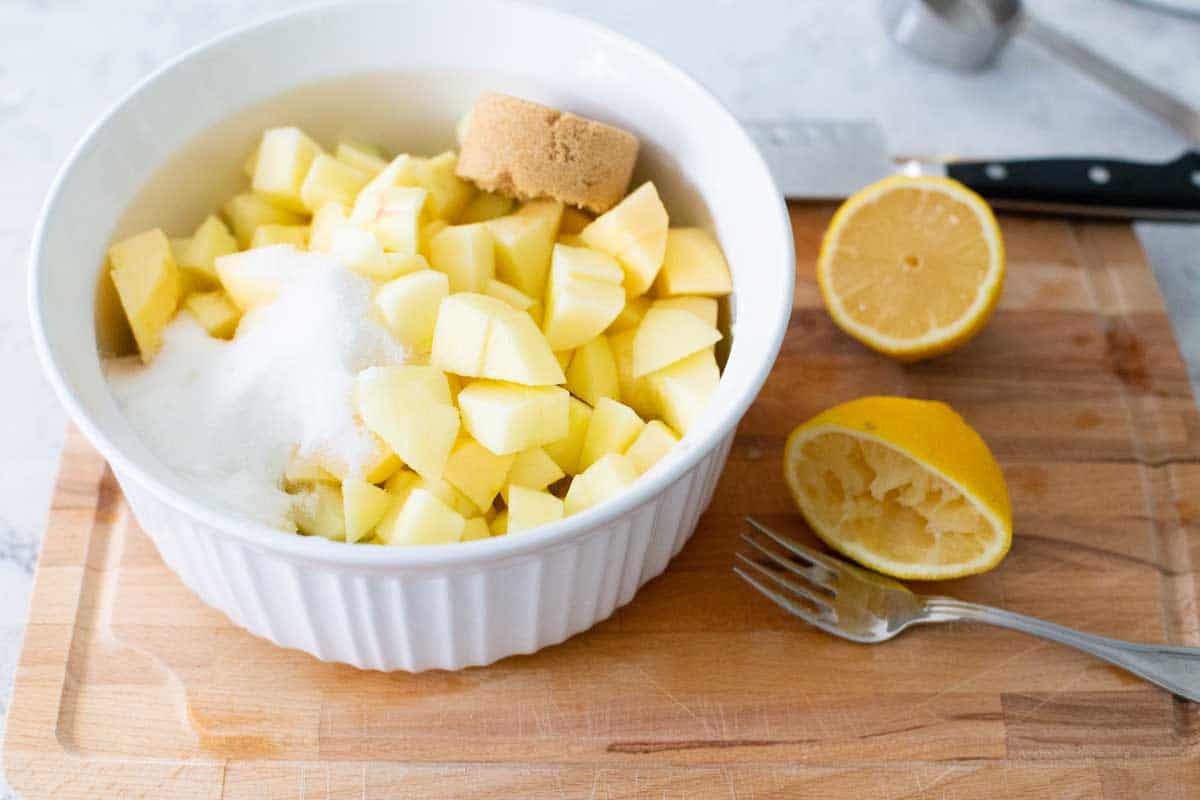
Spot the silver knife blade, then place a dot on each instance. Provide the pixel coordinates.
(822, 159)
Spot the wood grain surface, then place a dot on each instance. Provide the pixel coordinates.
(128, 686)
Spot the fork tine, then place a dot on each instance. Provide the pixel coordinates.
(788, 604)
(834, 565)
(822, 604)
(815, 574)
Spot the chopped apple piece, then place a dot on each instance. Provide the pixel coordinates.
(477, 472)
(394, 215)
(612, 428)
(247, 211)
(533, 469)
(531, 508)
(409, 305)
(570, 240)
(320, 513)
(330, 180)
(573, 221)
(448, 193)
(693, 264)
(401, 483)
(631, 315)
(284, 157)
(508, 418)
(480, 336)
(475, 529)
(635, 233)
(448, 494)
(363, 157)
(499, 524)
(328, 219)
(635, 392)
(592, 373)
(422, 519)
(465, 253)
(683, 389)
(359, 251)
(363, 505)
(667, 335)
(302, 470)
(267, 235)
(608, 477)
(565, 450)
(705, 308)
(583, 298)
(509, 294)
(524, 242)
(564, 358)
(215, 312)
(410, 410)
(485, 206)
(196, 255)
(147, 281)
(428, 231)
(375, 466)
(654, 442)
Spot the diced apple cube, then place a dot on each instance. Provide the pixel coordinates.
(248, 210)
(359, 251)
(564, 358)
(583, 298)
(631, 315)
(198, 253)
(363, 506)
(635, 392)
(667, 335)
(533, 469)
(531, 508)
(448, 494)
(320, 512)
(524, 242)
(475, 529)
(635, 233)
(363, 157)
(448, 193)
(267, 235)
(328, 219)
(411, 414)
(612, 428)
(509, 294)
(215, 312)
(654, 442)
(508, 418)
(409, 305)
(477, 472)
(330, 180)
(693, 264)
(682, 390)
(608, 477)
(480, 336)
(429, 230)
(423, 519)
(284, 157)
(485, 206)
(499, 524)
(148, 285)
(592, 373)
(393, 215)
(573, 221)
(565, 450)
(302, 470)
(252, 278)
(402, 482)
(465, 253)
(705, 308)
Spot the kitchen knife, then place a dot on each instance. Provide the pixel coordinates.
(831, 159)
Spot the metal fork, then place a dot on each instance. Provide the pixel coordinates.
(862, 606)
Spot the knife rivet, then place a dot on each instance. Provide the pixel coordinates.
(1098, 174)
(996, 172)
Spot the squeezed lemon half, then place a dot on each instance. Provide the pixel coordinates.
(904, 487)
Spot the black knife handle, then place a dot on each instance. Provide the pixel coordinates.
(1170, 186)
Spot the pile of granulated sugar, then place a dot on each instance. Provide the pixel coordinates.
(226, 415)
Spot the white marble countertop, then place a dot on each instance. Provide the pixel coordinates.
(62, 63)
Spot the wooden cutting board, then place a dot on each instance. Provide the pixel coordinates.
(128, 686)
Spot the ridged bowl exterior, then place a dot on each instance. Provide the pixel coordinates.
(446, 618)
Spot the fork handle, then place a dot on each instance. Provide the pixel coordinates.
(1176, 669)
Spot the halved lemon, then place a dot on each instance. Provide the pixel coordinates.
(912, 266)
(904, 487)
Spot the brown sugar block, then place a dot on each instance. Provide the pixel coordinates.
(526, 150)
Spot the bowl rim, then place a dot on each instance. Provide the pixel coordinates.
(319, 550)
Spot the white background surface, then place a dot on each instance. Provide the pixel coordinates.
(63, 63)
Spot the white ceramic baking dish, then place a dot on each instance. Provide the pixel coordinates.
(402, 73)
